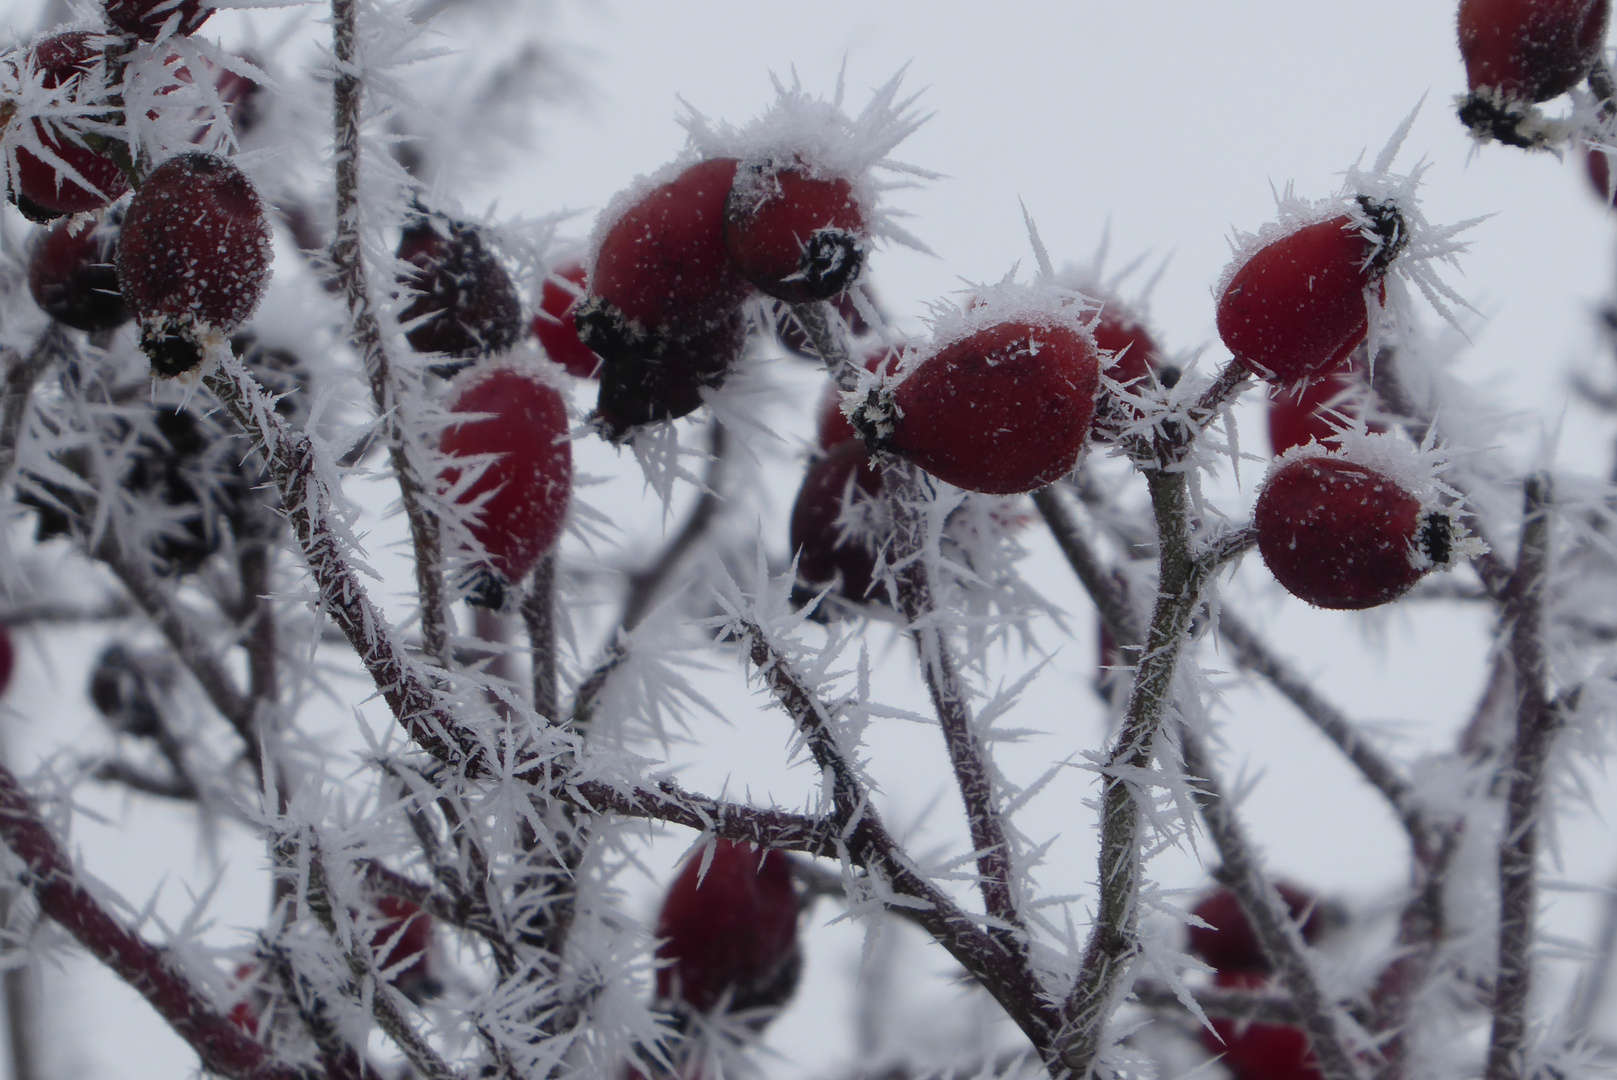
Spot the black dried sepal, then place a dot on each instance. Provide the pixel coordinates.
(486, 587)
(171, 346)
(830, 262)
(31, 210)
(122, 693)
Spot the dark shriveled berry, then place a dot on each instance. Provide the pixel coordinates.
(193, 257)
(1342, 535)
(146, 18)
(72, 276)
(462, 303)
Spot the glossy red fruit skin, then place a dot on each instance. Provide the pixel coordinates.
(668, 383)
(1255, 1051)
(72, 278)
(842, 478)
(36, 188)
(1337, 534)
(1530, 50)
(1123, 334)
(662, 272)
(405, 933)
(833, 427)
(1298, 417)
(193, 256)
(146, 18)
(729, 937)
(462, 302)
(1004, 410)
(530, 485)
(1297, 306)
(1228, 943)
(553, 323)
(796, 236)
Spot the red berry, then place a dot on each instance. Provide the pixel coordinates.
(462, 304)
(528, 485)
(1300, 415)
(244, 1013)
(1597, 163)
(1342, 535)
(1125, 335)
(1530, 50)
(834, 428)
(406, 933)
(40, 191)
(729, 935)
(554, 327)
(841, 489)
(1003, 410)
(1228, 943)
(146, 18)
(796, 236)
(193, 257)
(1259, 1051)
(1298, 305)
(667, 384)
(662, 272)
(72, 277)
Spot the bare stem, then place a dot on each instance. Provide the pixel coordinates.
(1537, 722)
(647, 585)
(347, 256)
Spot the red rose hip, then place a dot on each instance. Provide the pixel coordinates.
(1253, 1051)
(1228, 942)
(796, 236)
(525, 490)
(553, 324)
(729, 935)
(193, 257)
(841, 489)
(1003, 410)
(72, 276)
(146, 19)
(41, 188)
(1298, 306)
(1342, 535)
(1530, 50)
(406, 935)
(1300, 415)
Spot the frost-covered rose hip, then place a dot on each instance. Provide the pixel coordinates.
(1228, 943)
(795, 235)
(553, 323)
(1253, 1051)
(729, 932)
(662, 272)
(41, 188)
(1530, 50)
(462, 303)
(523, 493)
(193, 257)
(146, 19)
(1298, 305)
(72, 278)
(1002, 410)
(1299, 415)
(1343, 535)
(842, 489)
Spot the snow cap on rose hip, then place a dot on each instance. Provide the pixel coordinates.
(1357, 526)
(193, 258)
(1000, 400)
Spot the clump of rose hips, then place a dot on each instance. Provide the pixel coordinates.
(1298, 304)
(523, 489)
(67, 168)
(193, 258)
(728, 928)
(72, 274)
(1520, 52)
(462, 303)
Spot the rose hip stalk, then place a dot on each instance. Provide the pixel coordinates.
(193, 258)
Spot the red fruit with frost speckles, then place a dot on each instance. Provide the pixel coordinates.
(1228, 942)
(193, 257)
(147, 18)
(841, 487)
(1124, 334)
(462, 303)
(41, 192)
(1254, 1051)
(1530, 50)
(1297, 306)
(1300, 415)
(72, 278)
(729, 934)
(662, 273)
(553, 323)
(1003, 410)
(529, 485)
(1342, 535)
(796, 236)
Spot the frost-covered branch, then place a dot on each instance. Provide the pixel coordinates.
(1537, 722)
(347, 256)
(863, 838)
(539, 617)
(1220, 1003)
(223, 1047)
(16, 392)
(1109, 599)
(645, 586)
(1281, 940)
